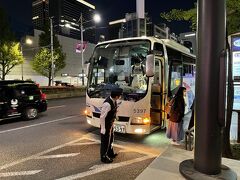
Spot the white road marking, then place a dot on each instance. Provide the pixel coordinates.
(96, 169)
(38, 154)
(57, 156)
(102, 168)
(126, 148)
(55, 107)
(24, 127)
(84, 143)
(19, 173)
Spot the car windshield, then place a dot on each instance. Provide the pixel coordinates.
(119, 65)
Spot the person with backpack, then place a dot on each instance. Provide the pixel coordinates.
(175, 125)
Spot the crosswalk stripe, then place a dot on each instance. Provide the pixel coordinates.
(57, 156)
(19, 173)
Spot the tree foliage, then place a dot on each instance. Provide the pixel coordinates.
(233, 16)
(42, 62)
(10, 54)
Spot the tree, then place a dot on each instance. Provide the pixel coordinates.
(233, 16)
(233, 26)
(10, 54)
(42, 62)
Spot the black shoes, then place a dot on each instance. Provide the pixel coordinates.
(113, 155)
(109, 158)
(106, 159)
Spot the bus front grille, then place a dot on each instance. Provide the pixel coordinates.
(97, 115)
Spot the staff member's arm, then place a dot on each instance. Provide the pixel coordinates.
(104, 111)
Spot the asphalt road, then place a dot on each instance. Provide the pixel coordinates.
(61, 145)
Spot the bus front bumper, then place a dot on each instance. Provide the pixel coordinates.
(122, 127)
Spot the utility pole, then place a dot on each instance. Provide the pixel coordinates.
(52, 60)
(81, 29)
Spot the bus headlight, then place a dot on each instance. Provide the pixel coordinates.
(140, 120)
(87, 113)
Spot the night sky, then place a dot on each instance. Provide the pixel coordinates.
(109, 10)
(116, 9)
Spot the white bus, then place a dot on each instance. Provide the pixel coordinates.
(122, 63)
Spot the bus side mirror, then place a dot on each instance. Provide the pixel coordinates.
(150, 65)
(87, 69)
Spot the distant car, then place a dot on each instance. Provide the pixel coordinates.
(64, 84)
(21, 99)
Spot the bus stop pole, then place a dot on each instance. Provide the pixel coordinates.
(211, 43)
(209, 107)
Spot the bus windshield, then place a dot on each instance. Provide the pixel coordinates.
(119, 64)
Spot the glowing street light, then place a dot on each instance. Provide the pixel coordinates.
(96, 19)
(23, 41)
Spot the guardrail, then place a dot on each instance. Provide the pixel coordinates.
(57, 92)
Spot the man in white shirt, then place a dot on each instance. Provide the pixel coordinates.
(108, 115)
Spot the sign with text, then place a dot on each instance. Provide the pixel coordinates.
(81, 47)
(236, 101)
(235, 44)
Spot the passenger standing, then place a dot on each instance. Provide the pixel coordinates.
(175, 125)
(107, 117)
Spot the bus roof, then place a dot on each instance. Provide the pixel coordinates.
(167, 42)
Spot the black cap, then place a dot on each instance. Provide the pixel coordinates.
(116, 92)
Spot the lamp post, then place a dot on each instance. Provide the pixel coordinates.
(80, 23)
(27, 41)
(81, 29)
(52, 60)
(97, 19)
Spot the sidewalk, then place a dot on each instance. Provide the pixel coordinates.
(166, 166)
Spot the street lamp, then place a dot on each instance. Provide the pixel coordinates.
(96, 19)
(23, 41)
(52, 60)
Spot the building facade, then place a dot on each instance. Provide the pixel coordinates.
(70, 74)
(66, 17)
(132, 26)
(189, 40)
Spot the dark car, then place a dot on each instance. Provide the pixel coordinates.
(21, 99)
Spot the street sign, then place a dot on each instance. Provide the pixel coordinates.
(81, 47)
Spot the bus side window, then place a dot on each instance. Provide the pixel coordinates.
(176, 73)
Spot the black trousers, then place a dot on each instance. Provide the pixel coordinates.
(106, 143)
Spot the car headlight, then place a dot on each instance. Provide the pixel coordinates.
(140, 120)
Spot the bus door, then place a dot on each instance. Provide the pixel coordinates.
(157, 94)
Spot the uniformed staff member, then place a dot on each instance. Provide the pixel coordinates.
(108, 115)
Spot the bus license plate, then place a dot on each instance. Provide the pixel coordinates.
(119, 128)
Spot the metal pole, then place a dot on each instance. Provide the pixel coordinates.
(211, 43)
(210, 95)
(22, 55)
(52, 61)
(81, 28)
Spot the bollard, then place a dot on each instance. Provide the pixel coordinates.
(189, 139)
